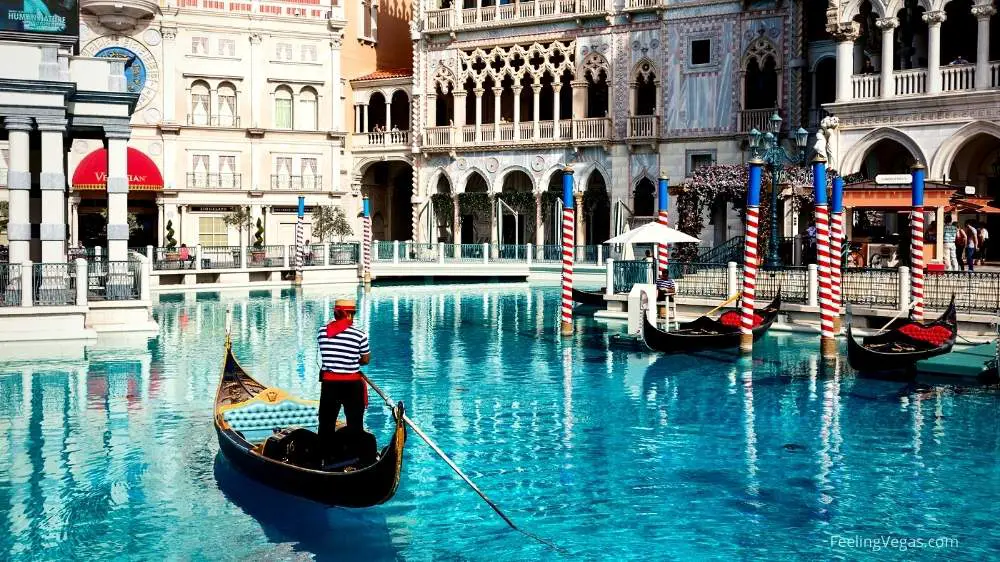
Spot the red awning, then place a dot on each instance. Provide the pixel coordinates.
(92, 172)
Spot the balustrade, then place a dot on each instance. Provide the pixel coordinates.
(910, 82)
(438, 20)
(759, 119)
(596, 128)
(517, 12)
(506, 132)
(995, 74)
(644, 126)
(546, 130)
(438, 136)
(866, 86)
(958, 78)
(642, 4)
(526, 130)
(383, 139)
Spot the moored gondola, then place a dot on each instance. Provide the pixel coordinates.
(588, 298)
(267, 434)
(709, 333)
(897, 350)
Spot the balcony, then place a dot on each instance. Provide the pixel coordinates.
(595, 130)
(229, 121)
(196, 180)
(380, 141)
(120, 15)
(756, 119)
(513, 13)
(644, 127)
(636, 6)
(296, 183)
(916, 82)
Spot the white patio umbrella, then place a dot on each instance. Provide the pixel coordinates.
(650, 233)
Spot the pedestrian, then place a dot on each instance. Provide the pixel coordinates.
(960, 242)
(984, 238)
(950, 233)
(972, 236)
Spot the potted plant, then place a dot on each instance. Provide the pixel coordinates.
(257, 253)
(171, 253)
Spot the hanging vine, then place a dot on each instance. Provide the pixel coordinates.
(477, 204)
(522, 201)
(444, 209)
(549, 199)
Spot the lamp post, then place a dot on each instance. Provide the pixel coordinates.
(767, 148)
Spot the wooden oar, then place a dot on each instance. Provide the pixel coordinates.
(457, 470)
(727, 301)
(894, 318)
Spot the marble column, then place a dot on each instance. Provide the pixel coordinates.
(581, 221)
(492, 214)
(888, 27)
(161, 220)
(579, 99)
(117, 143)
(845, 34)
(74, 222)
(458, 109)
(257, 78)
(336, 89)
(52, 183)
(213, 106)
(934, 21)
(537, 90)
(517, 113)
(19, 186)
(497, 92)
(364, 118)
(539, 232)
(357, 118)
(983, 14)
(169, 58)
(556, 87)
(479, 113)
(456, 224)
(388, 113)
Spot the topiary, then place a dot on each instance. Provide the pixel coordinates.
(258, 237)
(171, 241)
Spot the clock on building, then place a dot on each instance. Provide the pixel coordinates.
(141, 71)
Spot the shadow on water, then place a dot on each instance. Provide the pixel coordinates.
(330, 533)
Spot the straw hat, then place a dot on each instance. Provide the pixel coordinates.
(345, 304)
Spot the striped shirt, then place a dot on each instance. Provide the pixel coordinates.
(950, 233)
(342, 353)
(666, 285)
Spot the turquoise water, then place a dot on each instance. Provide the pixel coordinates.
(609, 454)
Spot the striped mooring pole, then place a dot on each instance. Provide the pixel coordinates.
(663, 204)
(837, 247)
(750, 256)
(366, 243)
(568, 246)
(917, 243)
(299, 239)
(828, 343)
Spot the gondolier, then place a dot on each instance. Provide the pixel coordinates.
(343, 350)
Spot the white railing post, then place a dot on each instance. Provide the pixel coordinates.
(441, 252)
(528, 249)
(81, 281)
(27, 282)
(197, 257)
(145, 268)
(395, 251)
(600, 254)
(243, 257)
(812, 284)
(732, 279)
(326, 254)
(609, 277)
(904, 288)
(286, 258)
(97, 252)
(486, 253)
(149, 252)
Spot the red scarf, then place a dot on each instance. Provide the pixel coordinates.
(338, 326)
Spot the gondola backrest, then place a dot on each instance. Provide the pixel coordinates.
(257, 420)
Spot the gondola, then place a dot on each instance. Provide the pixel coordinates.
(897, 350)
(267, 434)
(588, 298)
(709, 333)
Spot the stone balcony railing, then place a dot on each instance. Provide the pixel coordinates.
(759, 119)
(387, 139)
(197, 180)
(915, 82)
(580, 130)
(296, 183)
(643, 127)
(514, 13)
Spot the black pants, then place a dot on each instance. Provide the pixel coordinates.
(333, 395)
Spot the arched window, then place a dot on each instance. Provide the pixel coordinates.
(376, 111)
(201, 111)
(444, 107)
(645, 193)
(645, 89)
(306, 113)
(400, 112)
(283, 108)
(760, 86)
(226, 111)
(595, 72)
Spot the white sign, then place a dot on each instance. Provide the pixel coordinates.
(894, 179)
(970, 190)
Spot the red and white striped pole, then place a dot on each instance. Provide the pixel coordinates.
(366, 244)
(917, 243)
(827, 311)
(837, 247)
(750, 256)
(568, 248)
(663, 203)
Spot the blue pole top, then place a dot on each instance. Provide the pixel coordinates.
(919, 171)
(302, 206)
(819, 179)
(365, 207)
(567, 187)
(837, 204)
(753, 190)
(664, 193)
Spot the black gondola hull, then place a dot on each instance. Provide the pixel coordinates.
(864, 358)
(725, 337)
(588, 298)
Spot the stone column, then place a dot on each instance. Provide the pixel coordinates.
(117, 142)
(458, 112)
(983, 15)
(492, 214)
(257, 77)
(52, 181)
(537, 90)
(161, 220)
(336, 88)
(456, 224)
(74, 222)
(517, 112)
(357, 118)
(579, 99)
(19, 186)
(364, 117)
(167, 89)
(581, 221)
(388, 113)
(213, 106)
(539, 232)
(844, 34)
(888, 27)
(479, 113)
(497, 92)
(934, 21)
(556, 87)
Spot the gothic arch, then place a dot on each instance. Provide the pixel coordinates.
(361, 165)
(644, 68)
(501, 178)
(435, 178)
(761, 49)
(945, 155)
(580, 180)
(592, 66)
(855, 156)
(547, 178)
(459, 187)
(445, 79)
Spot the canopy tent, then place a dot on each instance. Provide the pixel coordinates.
(650, 233)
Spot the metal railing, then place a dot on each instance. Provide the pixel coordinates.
(701, 279)
(173, 258)
(220, 257)
(974, 291)
(730, 250)
(280, 181)
(214, 120)
(268, 256)
(759, 119)
(585, 255)
(383, 250)
(420, 252)
(548, 252)
(627, 273)
(53, 284)
(214, 181)
(344, 253)
(512, 252)
(10, 284)
(114, 280)
(464, 252)
(870, 287)
(792, 280)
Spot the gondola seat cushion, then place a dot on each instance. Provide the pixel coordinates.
(934, 335)
(258, 420)
(732, 319)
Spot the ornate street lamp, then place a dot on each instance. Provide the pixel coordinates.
(767, 147)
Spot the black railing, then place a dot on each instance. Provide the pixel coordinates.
(628, 273)
(173, 258)
(870, 287)
(220, 257)
(974, 292)
(10, 284)
(730, 250)
(53, 284)
(701, 279)
(344, 253)
(113, 280)
(792, 280)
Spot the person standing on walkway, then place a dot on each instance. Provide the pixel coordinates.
(950, 234)
(971, 236)
(984, 238)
